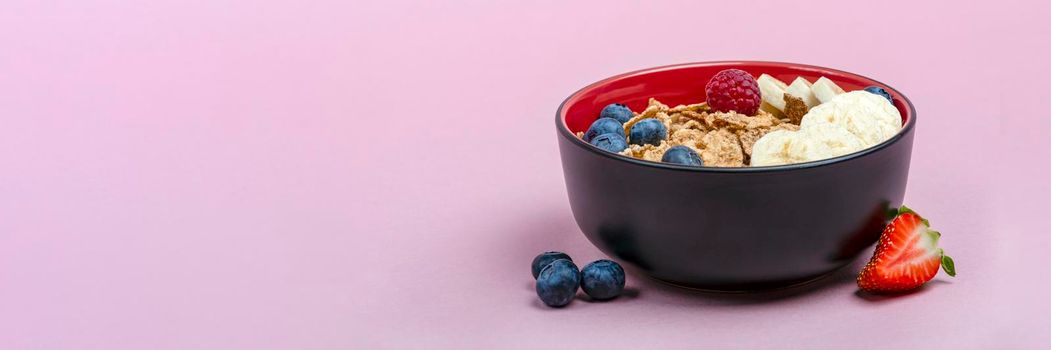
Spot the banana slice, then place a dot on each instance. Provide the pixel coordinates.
(777, 148)
(880, 108)
(801, 88)
(824, 89)
(819, 142)
(858, 112)
(787, 147)
(772, 91)
(772, 110)
(833, 137)
(847, 123)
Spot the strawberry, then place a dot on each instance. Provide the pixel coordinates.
(906, 257)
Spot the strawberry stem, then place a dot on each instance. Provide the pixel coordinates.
(905, 209)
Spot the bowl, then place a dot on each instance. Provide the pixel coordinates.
(728, 229)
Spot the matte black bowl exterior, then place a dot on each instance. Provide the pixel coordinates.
(731, 229)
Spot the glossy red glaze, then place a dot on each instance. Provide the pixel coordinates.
(684, 84)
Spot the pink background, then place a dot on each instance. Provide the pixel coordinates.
(312, 175)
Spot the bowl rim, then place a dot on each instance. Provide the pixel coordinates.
(564, 131)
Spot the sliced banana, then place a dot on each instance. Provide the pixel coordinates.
(786, 147)
(776, 148)
(833, 137)
(771, 109)
(772, 91)
(846, 123)
(858, 112)
(824, 89)
(879, 107)
(821, 142)
(801, 88)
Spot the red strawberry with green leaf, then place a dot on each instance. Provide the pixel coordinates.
(906, 257)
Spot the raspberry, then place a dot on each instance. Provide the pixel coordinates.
(733, 90)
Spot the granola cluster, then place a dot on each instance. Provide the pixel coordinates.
(722, 139)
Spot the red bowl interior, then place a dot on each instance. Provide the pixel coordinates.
(684, 84)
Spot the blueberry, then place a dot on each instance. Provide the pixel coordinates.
(610, 142)
(682, 155)
(557, 284)
(602, 279)
(616, 111)
(603, 126)
(879, 91)
(541, 261)
(648, 131)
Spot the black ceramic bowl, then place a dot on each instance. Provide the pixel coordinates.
(728, 229)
